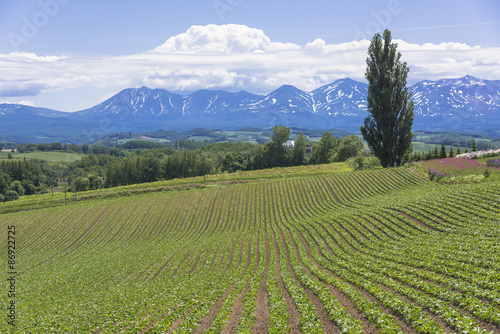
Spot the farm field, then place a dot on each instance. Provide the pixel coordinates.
(383, 251)
(48, 156)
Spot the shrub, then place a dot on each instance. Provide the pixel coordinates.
(11, 195)
(41, 189)
(17, 187)
(29, 187)
(364, 163)
(82, 184)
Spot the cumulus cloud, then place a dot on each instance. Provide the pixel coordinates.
(320, 45)
(228, 38)
(231, 57)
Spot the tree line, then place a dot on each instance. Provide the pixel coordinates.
(140, 162)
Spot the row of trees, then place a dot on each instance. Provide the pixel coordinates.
(438, 153)
(274, 154)
(158, 164)
(23, 177)
(85, 148)
(140, 169)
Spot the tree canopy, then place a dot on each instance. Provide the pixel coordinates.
(388, 128)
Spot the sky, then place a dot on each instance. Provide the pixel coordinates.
(70, 55)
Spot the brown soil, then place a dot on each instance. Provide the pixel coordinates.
(207, 321)
(188, 255)
(367, 326)
(292, 309)
(249, 252)
(327, 324)
(416, 221)
(195, 262)
(262, 308)
(376, 228)
(236, 313)
(332, 192)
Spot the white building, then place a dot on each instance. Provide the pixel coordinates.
(289, 144)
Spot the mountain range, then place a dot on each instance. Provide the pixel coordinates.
(467, 105)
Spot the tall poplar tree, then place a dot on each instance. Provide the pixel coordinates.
(387, 129)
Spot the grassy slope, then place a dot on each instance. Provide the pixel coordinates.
(48, 200)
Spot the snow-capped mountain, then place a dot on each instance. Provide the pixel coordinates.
(466, 104)
(476, 97)
(286, 99)
(8, 110)
(146, 103)
(341, 98)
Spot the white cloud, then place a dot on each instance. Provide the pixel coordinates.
(26, 56)
(320, 45)
(230, 57)
(23, 102)
(228, 38)
(404, 46)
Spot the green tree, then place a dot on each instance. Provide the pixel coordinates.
(85, 148)
(17, 187)
(459, 151)
(29, 187)
(4, 182)
(443, 152)
(258, 159)
(276, 154)
(9, 156)
(95, 182)
(473, 145)
(82, 184)
(324, 152)
(451, 154)
(232, 163)
(11, 195)
(435, 153)
(349, 147)
(387, 129)
(299, 150)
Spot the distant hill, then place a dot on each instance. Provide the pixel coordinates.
(468, 105)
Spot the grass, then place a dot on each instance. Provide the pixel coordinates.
(48, 156)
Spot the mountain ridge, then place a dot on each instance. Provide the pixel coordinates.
(464, 104)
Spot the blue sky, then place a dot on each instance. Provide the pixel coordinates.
(72, 54)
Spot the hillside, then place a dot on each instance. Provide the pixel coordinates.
(313, 251)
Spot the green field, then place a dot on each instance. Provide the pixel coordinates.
(47, 156)
(290, 250)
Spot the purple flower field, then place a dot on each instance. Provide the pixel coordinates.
(493, 163)
(454, 166)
